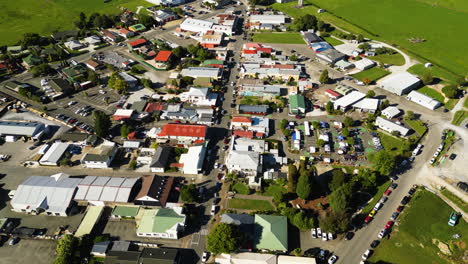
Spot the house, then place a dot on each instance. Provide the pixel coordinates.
(93, 40)
(245, 258)
(274, 175)
(75, 73)
(305, 85)
(100, 249)
(271, 232)
(103, 190)
(253, 109)
(390, 126)
(344, 89)
(343, 65)
(211, 39)
(259, 125)
(159, 256)
(14, 129)
(162, 59)
(132, 81)
(183, 133)
(369, 105)
(245, 156)
(122, 114)
(93, 64)
(364, 64)
(400, 83)
(155, 190)
(196, 25)
(177, 112)
(114, 59)
(32, 60)
(330, 56)
(54, 154)
(345, 102)
(297, 104)
(100, 158)
(125, 33)
(74, 45)
(136, 43)
(332, 94)
(196, 72)
(199, 97)
(162, 223)
(164, 15)
(123, 211)
(213, 63)
(423, 100)
(110, 36)
(160, 159)
(295, 260)
(268, 19)
(50, 195)
(255, 87)
(137, 28)
(193, 160)
(310, 37)
(391, 112)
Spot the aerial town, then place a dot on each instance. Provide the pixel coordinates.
(233, 132)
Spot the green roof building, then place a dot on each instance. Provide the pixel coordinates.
(137, 28)
(271, 232)
(162, 223)
(343, 89)
(32, 60)
(213, 63)
(125, 211)
(297, 104)
(75, 73)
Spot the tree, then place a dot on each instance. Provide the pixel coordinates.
(125, 129)
(321, 26)
(305, 22)
(188, 193)
(367, 179)
(345, 132)
(370, 94)
(102, 123)
(410, 115)
(461, 81)
(427, 78)
(65, 250)
(384, 162)
(293, 58)
(329, 107)
(93, 77)
(117, 83)
(320, 142)
(365, 46)
(338, 179)
(41, 69)
(396, 133)
(304, 186)
(297, 252)
(179, 52)
(146, 82)
(324, 78)
(316, 125)
(360, 38)
(224, 238)
(367, 81)
(335, 222)
(298, 218)
(338, 200)
(348, 121)
(450, 91)
(32, 39)
(292, 176)
(146, 20)
(132, 164)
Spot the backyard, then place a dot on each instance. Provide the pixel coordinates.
(333, 41)
(248, 204)
(44, 17)
(417, 125)
(392, 144)
(422, 233)
(372, 74)
(415, 27)
(281, 38)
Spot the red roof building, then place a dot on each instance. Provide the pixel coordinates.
(153, 107)
(265, 50)
(249, 51)
(241, 119)
(332, 94)
(163, 56)
(137, 43)
(183, 132)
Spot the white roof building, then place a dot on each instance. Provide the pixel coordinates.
(193, 160)
(40, 194)
(268, 19)
(423, 100)
(390, 112)
(346, 101)
(295, 260)
(196, 72)
(196, 25)
(54, 154)
(97, 190)
(199, 96)
(367, 105)
(93, 40)
(389, 126)
(74, 45)
(244, 156)
(246, 258)
(364, 64)
(400, 83)
(28, 129)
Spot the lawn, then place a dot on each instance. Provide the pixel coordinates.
(465, 104)
(281, 38)
(422, 224)
(333, 41)
(393, 59)
(417, 125)
(410, 20)
(247, 204)
(455, 199)
(372, 74)
(450, 104)
(241, 188)
(44, 17)
(274, 189)
(459, 117)
(391, 143)
(432, 93)
(380, 191)
(420, 70)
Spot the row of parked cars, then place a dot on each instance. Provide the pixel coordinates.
(317, 233)
(74, 122)
(380, 203)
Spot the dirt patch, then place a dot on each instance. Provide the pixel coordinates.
(313, 204)
(444, 248)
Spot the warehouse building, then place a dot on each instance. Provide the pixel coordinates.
(423, 100)
(389, 126)
(101, 190)
(400, 83)
(54, 154)
(13, 130)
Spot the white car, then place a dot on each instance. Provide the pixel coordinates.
(382, 233)
(377, 206)
(324, 236)
(332, 259)
(102, 92)
(204, 257)
(366, 254)
(415, 152)
(319, 232)
(313, 233)
(432, 161)
(72, 103)
(213, 209)
(330, 236)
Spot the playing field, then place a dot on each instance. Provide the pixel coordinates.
(45, 16)
(441, 24)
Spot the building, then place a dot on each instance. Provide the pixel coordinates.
(122, 257)
(196, 25)
(244, 156)
(345, 102)
(268, 19)
(199, 96)
(50, 195)
(245, 258)
(125, 211)
(161, 158)
(75, 73)
(344, 89)
(125, 33)
(183, 132)
(74, 45)
(162, 59)
(54, 154)
(332, 94)
(310, 37)
(390, 112)
(137, 28)
(251, 123)
(193, 160)
(364, 64)
(343, 65)
(260, 90)
(159, 256)
(297, 104)
(211, 39)
(295, 260)
(213, 63)
(132, 81)
(110, 36)
(390, 126)
(11, 130)
(197, 72)
(253, 109)
(123, 114)
(400, 83)
(321, 47)
(100, 158)
(423, 100)
(271, 232)
(93, 64)
(330, 56)
(164, 15)
(101, 190)
(114, 59)
(137, 43)
(162, 223)
(155, 190)
(369, 105)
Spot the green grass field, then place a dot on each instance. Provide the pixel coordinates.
(450, 104)
(333, 41)
(439, 23)
(393, 59)
(422, 225)
(391, 143)
(247, 204)
(416, 125)
(432, 93)
(281, 38)
(455, 199)
(44, 17)
(420, 70)
(459, 117)
(465, 103)
(240, 188)
(372, 74)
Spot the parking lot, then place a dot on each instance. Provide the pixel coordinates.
(28, 251)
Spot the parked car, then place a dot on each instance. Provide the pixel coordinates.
(394, 216)
(313, 232)
(383, 199)
(13, 241)
(204, 257)
(388, 192)
(405, 200)
(453, 218)
(389, 224)
(324, 236)
(330, 236)
(463, 186)
(382, 233)
(412, 191)
(213, 209)
(332, 259)
(372, 213)
(366, 254)
(394, 185)
(377, 206)
(319, 232)
(367, 220)
(375, 243)
(400, 208)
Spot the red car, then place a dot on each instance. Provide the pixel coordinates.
(400, 208)
(389, 224)
(368, 219)
(388, 192)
